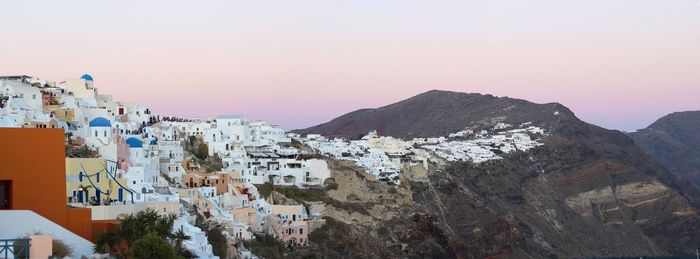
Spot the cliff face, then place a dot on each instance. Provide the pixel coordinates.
(674, 141)
(587, 192)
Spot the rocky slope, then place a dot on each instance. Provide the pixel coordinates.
(674, 141)
(438, 113)
(587, 192)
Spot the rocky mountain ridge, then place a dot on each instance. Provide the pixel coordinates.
(438, 113)
(674, 141)
(587, 192)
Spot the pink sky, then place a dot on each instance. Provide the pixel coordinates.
(618, 64)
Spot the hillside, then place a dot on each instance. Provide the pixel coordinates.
(588, 192)
(438, 113)
(674, 141)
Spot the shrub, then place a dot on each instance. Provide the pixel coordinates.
(213, 163)
(267, 246)
(61, 249)
(266, 189)
(202, 151)
(334, 234)
(217, 241)
(330, 184)
(152, 246)
(302, 194)
(145, 234)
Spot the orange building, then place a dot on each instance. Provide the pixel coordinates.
(33, 177)
(201, 179)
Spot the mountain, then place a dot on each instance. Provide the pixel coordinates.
(438, 113)
(674, 141)
(588, 192)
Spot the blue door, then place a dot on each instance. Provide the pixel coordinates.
(121, 194)
(80, 196)
(98, 195)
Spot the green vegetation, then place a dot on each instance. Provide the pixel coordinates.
(302, 194)
(60, 248)
(80, 151)
(348, 206)
(213, 164)
(333, 236)
(293, 193)
(152, 246)
(266, 246)
(266, 189)
(214, 236)
(202, 151)
(144, 235)
(330, 184)
(217, 241)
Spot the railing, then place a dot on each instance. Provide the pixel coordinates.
(14, 248)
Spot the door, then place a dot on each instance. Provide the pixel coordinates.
(5, 193)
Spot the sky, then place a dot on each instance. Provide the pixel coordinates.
(617, 64)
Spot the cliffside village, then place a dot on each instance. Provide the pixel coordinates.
(121, 159)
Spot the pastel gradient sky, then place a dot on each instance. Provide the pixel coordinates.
(618, 64)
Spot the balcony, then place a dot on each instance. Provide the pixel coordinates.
(15, 248)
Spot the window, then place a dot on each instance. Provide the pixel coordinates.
(301, 232)
(5, 195)
(33, 96)
(134, 182)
